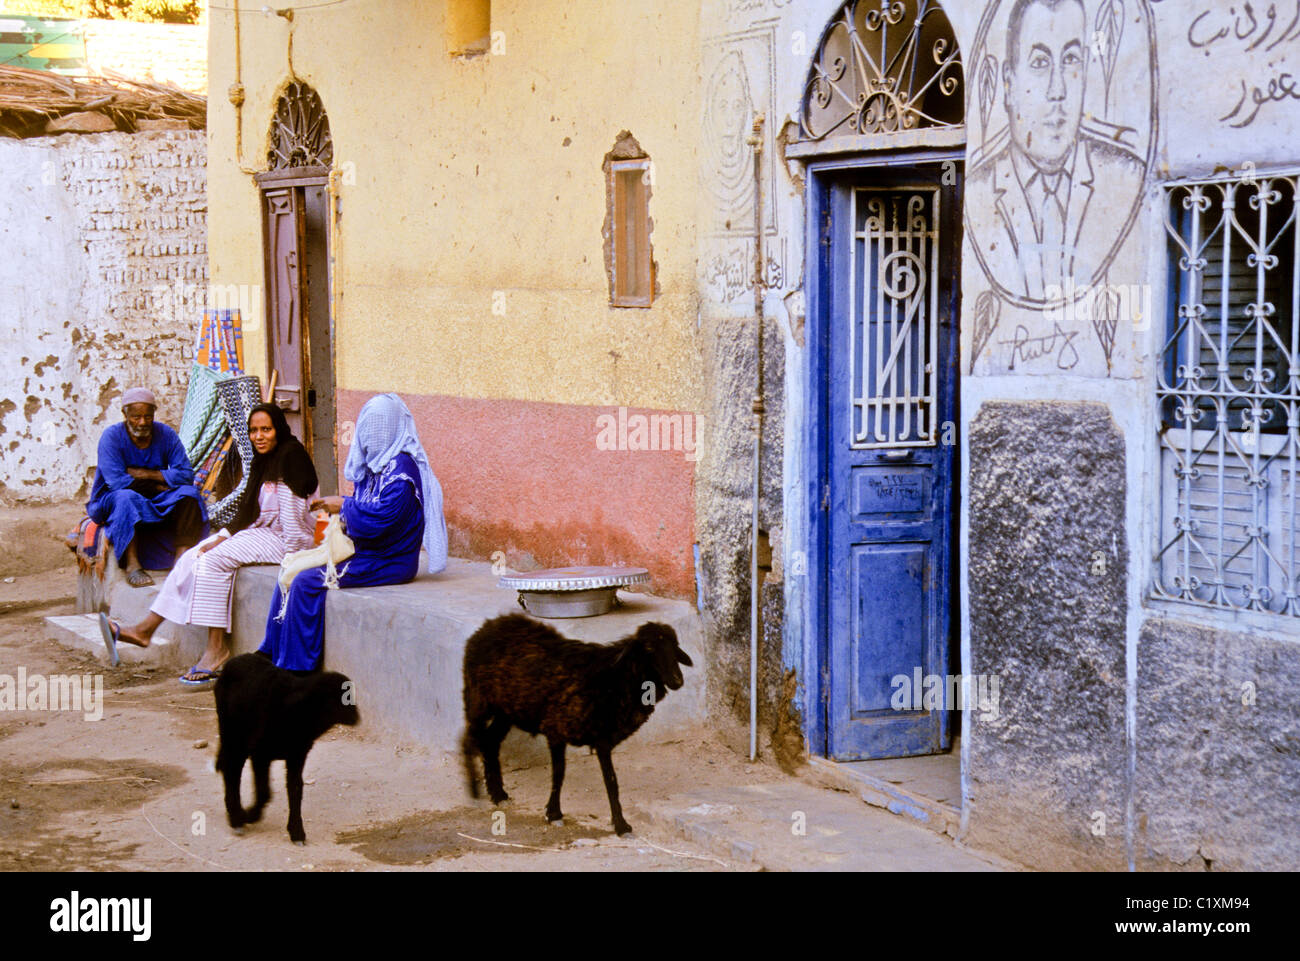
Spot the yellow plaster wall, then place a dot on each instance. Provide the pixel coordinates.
(458, 186)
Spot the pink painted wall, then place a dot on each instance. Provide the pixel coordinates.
(529, 479)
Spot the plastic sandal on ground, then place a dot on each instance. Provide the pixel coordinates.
(110, 632)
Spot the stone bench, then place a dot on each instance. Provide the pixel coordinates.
(403, 645)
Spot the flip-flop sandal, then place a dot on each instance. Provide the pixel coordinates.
(139, 578)
(198, 677)
(110, 632)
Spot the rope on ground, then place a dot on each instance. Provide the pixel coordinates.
(507, 844)
(181, 849)
(678, 854)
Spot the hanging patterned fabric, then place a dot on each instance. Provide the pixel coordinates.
(220, 344)
(218, 356)
(237, 396)
(203, 428)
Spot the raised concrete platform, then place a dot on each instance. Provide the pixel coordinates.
(403, 645)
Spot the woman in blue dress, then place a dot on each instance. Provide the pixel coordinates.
(396, 507)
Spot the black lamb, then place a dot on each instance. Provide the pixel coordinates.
(521, 673)
(270, 714)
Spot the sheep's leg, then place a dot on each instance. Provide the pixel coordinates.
(611, 788)
(490, 745)
(231, 767)
(293, 781)
(261, 788)
(468, 747)
(553, 813)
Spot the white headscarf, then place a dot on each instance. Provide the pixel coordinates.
(385, 428)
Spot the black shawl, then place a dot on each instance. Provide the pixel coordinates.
(288, 461)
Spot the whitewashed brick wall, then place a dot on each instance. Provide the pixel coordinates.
(103, 266)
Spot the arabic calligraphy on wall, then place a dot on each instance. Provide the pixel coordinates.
(1242, 29)
(1279, 88)
(1254, 48)
(729, 274)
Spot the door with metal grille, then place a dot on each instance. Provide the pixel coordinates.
(890, 414)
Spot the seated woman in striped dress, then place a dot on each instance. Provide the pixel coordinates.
(273, 519)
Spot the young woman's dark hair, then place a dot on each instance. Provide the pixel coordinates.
(287, 461)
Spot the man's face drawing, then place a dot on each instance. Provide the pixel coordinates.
(1043, 78)
(731, 110)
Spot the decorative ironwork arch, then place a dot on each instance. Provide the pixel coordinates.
(884, 66)
(300, 131)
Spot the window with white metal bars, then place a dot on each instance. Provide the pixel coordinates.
(894, 295)
(1228, 386)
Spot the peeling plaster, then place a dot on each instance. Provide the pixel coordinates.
(86, 303)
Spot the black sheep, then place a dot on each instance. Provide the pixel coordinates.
(270, 714)
(521, 673)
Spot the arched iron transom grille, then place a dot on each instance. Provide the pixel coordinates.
(884, 67)
(300, 131)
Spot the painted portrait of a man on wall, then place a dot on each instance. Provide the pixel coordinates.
(1054, 190)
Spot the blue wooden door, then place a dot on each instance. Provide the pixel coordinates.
(893, 238)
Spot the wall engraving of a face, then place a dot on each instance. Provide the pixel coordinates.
(729, 113)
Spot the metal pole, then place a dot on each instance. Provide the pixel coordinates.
(755, 140)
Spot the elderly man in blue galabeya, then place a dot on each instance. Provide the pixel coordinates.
(144, 495)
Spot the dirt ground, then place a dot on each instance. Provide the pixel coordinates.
(32, 538)
(137, 790)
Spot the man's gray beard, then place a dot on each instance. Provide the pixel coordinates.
(141, 434)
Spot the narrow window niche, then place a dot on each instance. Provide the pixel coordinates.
(629, 257)
(468, 27)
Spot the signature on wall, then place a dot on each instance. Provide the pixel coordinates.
(1025, 348)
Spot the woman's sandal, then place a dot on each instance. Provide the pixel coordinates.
(111, 632)
(199, 677)
(139, 578)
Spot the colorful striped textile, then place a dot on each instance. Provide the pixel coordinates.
(218, 356)
(220, 344)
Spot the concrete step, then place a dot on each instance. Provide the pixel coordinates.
(81, 632)
(129, 605)
(891, 788)
(800, 826)
(403, 647)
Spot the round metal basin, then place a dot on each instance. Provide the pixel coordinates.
(572, 591)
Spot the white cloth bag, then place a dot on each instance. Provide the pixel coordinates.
(335, 548)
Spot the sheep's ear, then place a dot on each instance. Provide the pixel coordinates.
(683, 658)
